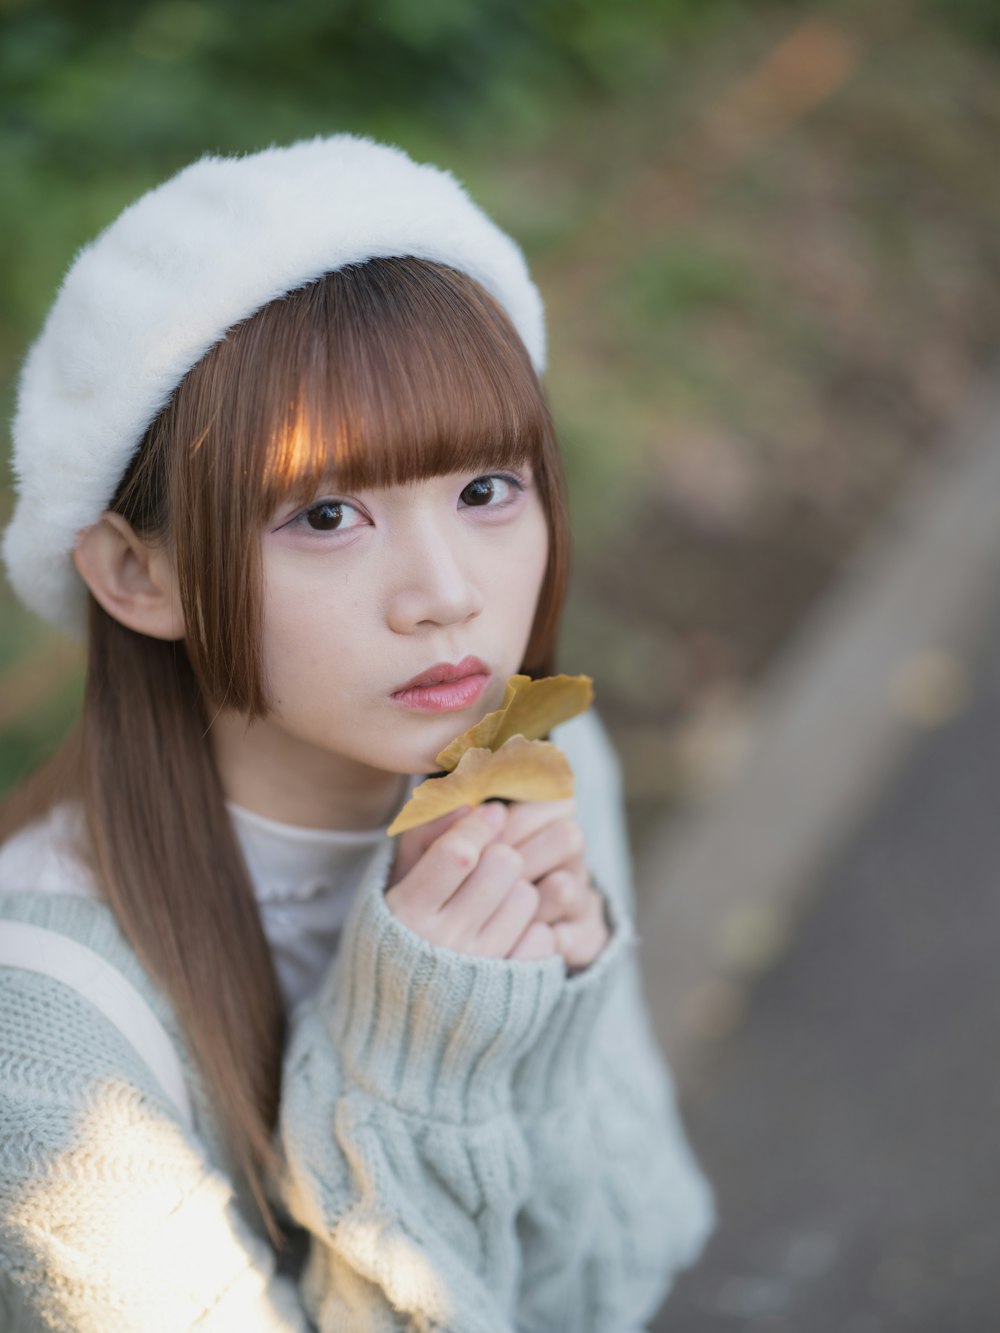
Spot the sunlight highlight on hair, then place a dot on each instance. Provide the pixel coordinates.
(397, 376)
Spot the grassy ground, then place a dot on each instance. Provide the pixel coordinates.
(771, 275)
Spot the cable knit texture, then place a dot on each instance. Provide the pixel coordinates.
(467, 1145)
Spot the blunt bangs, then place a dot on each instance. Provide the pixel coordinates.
(403, 369)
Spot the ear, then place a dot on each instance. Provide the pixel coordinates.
(134, 580)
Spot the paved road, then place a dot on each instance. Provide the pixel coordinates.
(852, 1125)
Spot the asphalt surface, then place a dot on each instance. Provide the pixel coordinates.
(851, 1125)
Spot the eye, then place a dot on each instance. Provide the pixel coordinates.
(483, 492)
(328, 516)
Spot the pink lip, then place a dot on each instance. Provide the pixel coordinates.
(449, 697)
(446, 687)
(444, 671)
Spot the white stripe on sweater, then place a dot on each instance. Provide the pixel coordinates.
(38, 949)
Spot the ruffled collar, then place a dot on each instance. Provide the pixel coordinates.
(290, 863)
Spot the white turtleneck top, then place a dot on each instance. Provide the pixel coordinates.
(304, 880)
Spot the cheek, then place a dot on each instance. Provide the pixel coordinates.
(515, 575)
(529, 559)
(313, 641)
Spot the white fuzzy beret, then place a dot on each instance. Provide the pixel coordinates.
(144, 301)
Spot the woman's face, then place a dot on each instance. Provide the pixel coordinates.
(365, 590)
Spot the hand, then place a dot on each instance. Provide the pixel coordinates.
(551, 843)
(455, 883)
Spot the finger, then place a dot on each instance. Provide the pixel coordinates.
(552, 848)
(452, 856)
(509, 922)
(411, 845)
(475, 901)
(580, 942)
(562, 896)
(537, 942)
(525, 818)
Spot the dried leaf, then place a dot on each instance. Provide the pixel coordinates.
(520, 770)
(530, 708)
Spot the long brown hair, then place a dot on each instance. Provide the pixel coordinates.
(386, 371)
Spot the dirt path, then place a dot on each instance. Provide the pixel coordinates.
(850, 1126)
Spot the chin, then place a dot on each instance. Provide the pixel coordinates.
(425, 760)
(428, 764)
(437, 732)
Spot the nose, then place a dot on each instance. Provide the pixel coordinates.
(434, 586)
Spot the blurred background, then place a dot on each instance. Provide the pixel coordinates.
(767, 236)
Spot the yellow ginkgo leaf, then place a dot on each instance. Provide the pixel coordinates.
(530, 708)
(520, 770)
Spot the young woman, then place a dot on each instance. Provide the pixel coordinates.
(283, 456)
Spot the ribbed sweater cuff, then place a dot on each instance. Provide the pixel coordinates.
(554, 1071)
(433, 1031)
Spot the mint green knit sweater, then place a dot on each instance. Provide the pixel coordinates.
(468, 1144)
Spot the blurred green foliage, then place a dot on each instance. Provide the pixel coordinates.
(37, 731)
(138, 84)
(977, 19)
(99, 100)
(687, 278)
(113, 95)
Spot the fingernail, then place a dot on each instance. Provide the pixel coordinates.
(494, 813)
